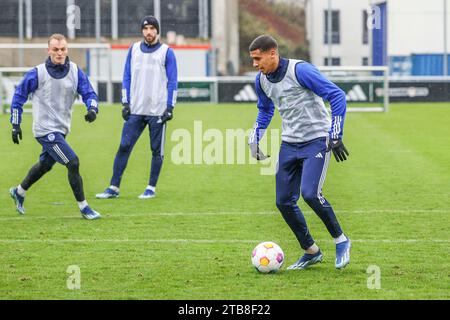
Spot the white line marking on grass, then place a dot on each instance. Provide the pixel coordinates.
(241, 213)
(210, 241)
(145, 214)
(401, 211)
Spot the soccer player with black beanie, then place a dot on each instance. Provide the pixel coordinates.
(149, 93)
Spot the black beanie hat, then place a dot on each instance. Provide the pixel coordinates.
(150, 20)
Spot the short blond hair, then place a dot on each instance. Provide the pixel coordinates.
(56, 36)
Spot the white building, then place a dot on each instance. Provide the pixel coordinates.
(414, 35)
(416, 26)
(417, 37)
(349, 33)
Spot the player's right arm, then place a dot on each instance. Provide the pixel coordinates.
(27, 86)
(126, 84)
(265, 113)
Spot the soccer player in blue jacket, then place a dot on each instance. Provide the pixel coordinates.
(297, 89)
(149, 92)
(53, 86)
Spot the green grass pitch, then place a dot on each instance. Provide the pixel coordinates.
(194, 240)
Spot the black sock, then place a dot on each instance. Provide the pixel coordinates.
(75, 180)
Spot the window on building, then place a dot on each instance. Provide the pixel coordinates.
(334, 61)
(365, 16)
(49, 17)
(130, 14)
(181, 16)
(335, 27)
(9, 26)
(87, 27)
(365, 61)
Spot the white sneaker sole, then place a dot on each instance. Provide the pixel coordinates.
(91, 218)
(102, 196)
(307, 265)
(145, 197)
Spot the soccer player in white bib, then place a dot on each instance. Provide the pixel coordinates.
(297, 88)
(53, 86)
(149, 92)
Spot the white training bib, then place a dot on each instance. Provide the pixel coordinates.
(52, 101)
(148, 89)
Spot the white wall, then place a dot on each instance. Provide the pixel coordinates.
(190, 62)
(351, 49)
(416, 26)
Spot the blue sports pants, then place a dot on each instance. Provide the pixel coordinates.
(55, 149)
(301, 170)
(131, 132)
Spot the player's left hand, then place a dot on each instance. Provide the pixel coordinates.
(256, 152)
(16, 133)
(168, 115)
(339, 150)
(126, 111)
(90, 116)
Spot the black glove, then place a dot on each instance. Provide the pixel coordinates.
(126, 111)
(167, 115)
(91, 115)
(256, 152)
(16, 133)
(338, 148)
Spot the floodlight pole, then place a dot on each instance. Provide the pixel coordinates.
(20, 32)
(445, 64)
(329, 18)
(157, 14)
(97, 40)
(114, 20)
(203, 19)
(97, 21)
(28, 21)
